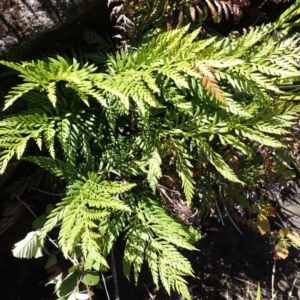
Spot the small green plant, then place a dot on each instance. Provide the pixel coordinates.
(137, 137)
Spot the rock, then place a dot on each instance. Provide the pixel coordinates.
(23, 21)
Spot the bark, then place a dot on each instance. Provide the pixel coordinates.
(22, 21)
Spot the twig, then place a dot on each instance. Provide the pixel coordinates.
(244, 281)
(114, 272)
(232, 221)
(32, 212)
(273, 280)
(47, 193)
(293, 285)
(150, 295)
(278, 224)
(105, 287)
(221, 218)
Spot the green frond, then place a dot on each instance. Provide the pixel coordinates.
(86, 203)
(109, 86)
(17, 92)
(217, 161)
(271, 129)
(149, 79)
(44, 76)
(152, 258)
(148, 238)
(90, 246)
(183, 168)
(170, 271)
(236, 143)
(55, 166)
(176, 76)
(257, 136)
(154, 168)
(50, 89)
(110, 229)
(258, 78)
(49, 138)
(134, 253)
(236, 108)
(15, 133)
(175, 234)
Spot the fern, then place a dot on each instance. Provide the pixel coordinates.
(184, 112)
(134, 16)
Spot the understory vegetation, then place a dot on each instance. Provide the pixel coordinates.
(141, 140)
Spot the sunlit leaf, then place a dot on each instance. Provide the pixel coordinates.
(81, 296)
(263, 224)
(91, 278)
(281, 253)
(29, 247)
(294, 237)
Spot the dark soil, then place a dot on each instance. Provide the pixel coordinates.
(22, 279)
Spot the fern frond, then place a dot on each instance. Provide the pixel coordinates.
(55, 166)
(258, 78)
(217, 161)
(183, 168)
(166, 263)
(15, 133)
(44, 76)
(17, 92)
(154, 168)
(90, 246)
(257, 136)
(182, 109)
(77, 212)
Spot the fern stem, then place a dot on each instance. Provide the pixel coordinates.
(221, 218)
(273, 280)
(293, 285)
(115, 278)
(32, 212)
(105, 287)
(44, 192)
(231, 220)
